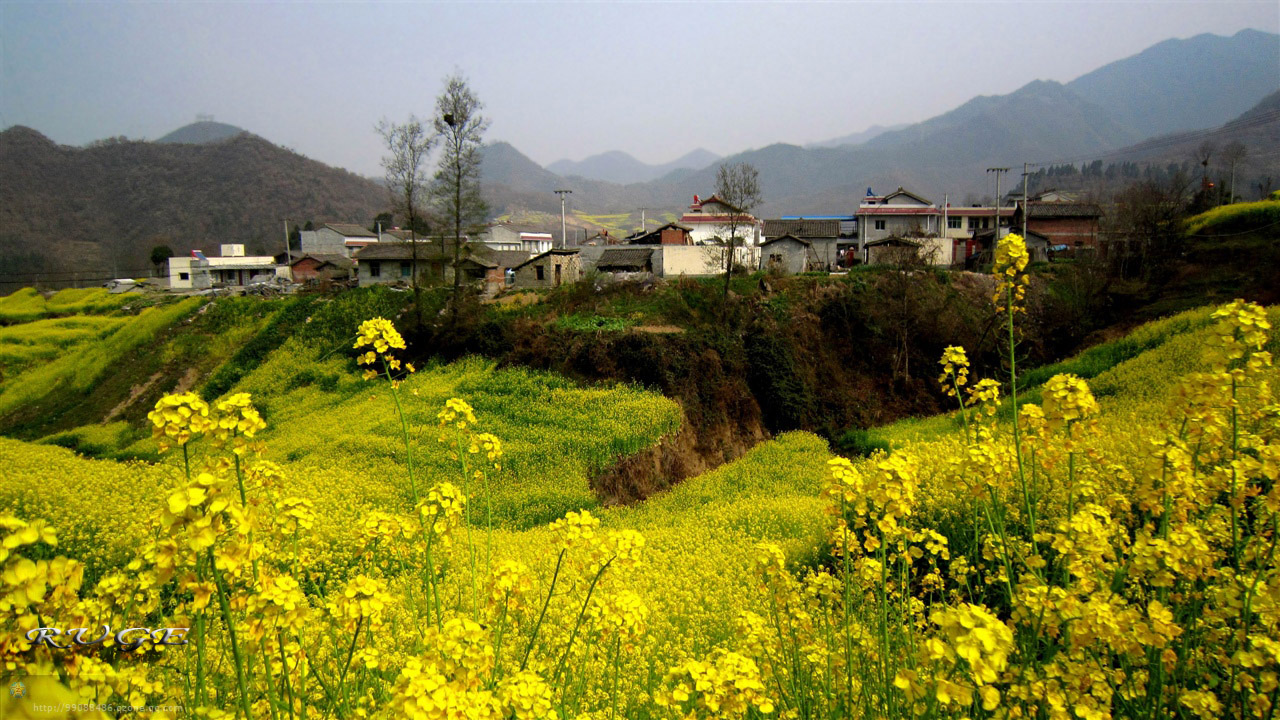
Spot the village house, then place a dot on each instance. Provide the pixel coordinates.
(625, 260)
(552, 268)
(895, 251)
(319, 266)
(822, 238)
(981, 249)
(942, 234)
(508, 237)
(231, 269)
(1065, 222)
(388, 263)
(603, 237)
(709, 223)
(789, 255)
(337, 239)
(669, 234)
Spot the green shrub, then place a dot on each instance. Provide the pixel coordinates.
(592, 323)
(857, 442)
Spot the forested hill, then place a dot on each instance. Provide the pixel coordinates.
(98, 211)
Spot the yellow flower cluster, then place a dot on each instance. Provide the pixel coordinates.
(176, 419)
(1065, 401)
(456, 412)
(381, 337)
(442, 509)
(955, 369)
(1010, 269)
(724, 685)
(236, 421)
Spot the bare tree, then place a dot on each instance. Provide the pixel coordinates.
(456, 186)
(1234, 153)
(408, 147)
(738, 187)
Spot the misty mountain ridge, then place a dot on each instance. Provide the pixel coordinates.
(857, 138)
(619, 167)
(1042, 122)
(203, 131)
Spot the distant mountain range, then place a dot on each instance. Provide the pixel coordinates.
(618, 167)
(1200, 82)
(99, 210)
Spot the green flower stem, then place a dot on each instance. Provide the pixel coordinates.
(538, 625)
(225, 605)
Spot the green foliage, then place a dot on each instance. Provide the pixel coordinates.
(253, 353)
(592, 323)
(859, 442)
(1100, 358)
(1236, 218)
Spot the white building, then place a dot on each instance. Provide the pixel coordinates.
(710, 220)
(232, 268)
(189, 273)
(943, 233)
(508, 238)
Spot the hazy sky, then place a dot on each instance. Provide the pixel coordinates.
(656, 79)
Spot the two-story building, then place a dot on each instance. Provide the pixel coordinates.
(710, 222)
(337, 239)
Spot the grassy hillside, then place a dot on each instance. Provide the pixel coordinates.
(706, 589)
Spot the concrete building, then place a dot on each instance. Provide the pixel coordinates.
(709, 222)
(821, 237)
(669, 234)
(189, 273)
(231, 269)
(552, 268)
(1074, 224)
(337, 239)
(508, 237)
(790, 255)
(317, 267)
(626, 260)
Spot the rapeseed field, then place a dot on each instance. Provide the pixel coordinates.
(422, 542)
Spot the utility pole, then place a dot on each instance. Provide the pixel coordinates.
(1025, 176)
(995, 231)
(288, 252)
(564, 240)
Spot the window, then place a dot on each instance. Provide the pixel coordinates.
(184, 276)
(537, 272)
(973, 223)
(775, 258)
(375, 268)
(955, 223)
(880, 224)
(510, 276)
(405, 269)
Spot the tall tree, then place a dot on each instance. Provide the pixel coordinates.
(408, 147)
(456, 186)
(738, 187)
(1234, 153)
